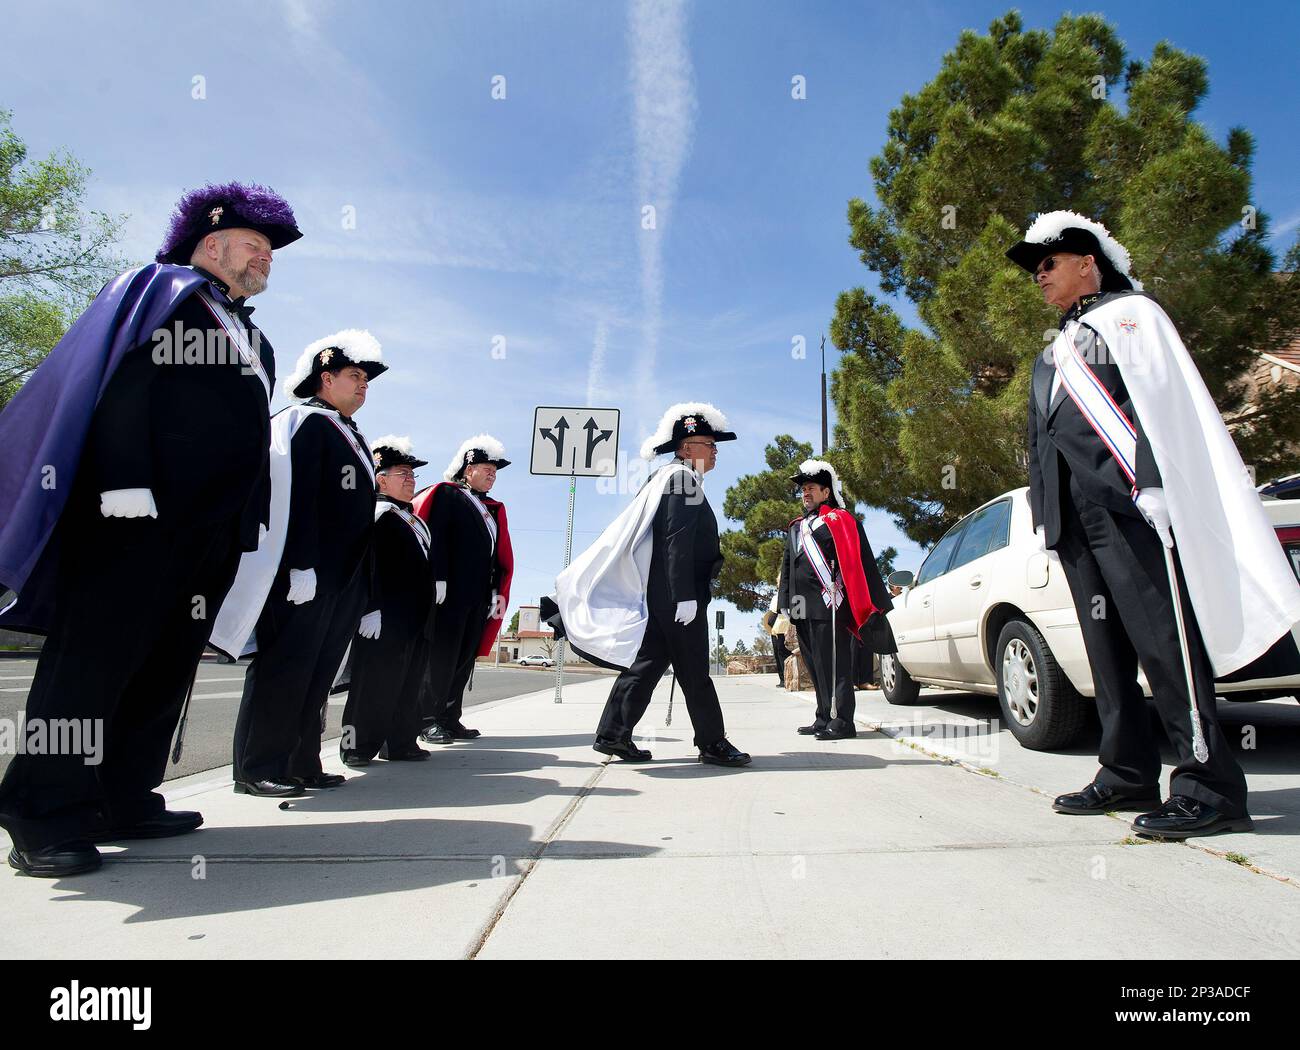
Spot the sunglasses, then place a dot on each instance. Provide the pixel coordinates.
(1046, 266)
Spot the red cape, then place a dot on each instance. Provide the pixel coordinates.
(505, 558)
(848, 554)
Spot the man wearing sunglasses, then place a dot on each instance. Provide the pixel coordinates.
(1128, 453)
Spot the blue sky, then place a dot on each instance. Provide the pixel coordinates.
(478, 218)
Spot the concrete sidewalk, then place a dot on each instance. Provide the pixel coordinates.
(524, 844)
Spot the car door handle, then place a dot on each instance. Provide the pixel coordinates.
(976, 581)
(925, 603)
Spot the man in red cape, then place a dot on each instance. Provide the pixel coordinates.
(828, 561)
(471, 562)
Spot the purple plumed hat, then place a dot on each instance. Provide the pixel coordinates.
(230, 205)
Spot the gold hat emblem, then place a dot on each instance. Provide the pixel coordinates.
(326, 356)
(215, 215)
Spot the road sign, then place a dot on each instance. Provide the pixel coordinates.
(575, 442)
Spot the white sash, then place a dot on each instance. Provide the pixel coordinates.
(418, 527)
(489, 522)
(366, 457)
(1095, 403)
(239, 336)
(819, 565)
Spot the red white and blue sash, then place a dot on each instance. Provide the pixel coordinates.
(1093, 400)
(818, 560)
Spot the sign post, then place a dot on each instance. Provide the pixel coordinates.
(590, 451)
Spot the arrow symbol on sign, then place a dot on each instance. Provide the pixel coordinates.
(594, 439)
(556, 434)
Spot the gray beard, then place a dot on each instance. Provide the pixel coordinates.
(251, 280)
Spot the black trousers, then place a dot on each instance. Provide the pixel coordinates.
(835, 707)
(299, 651)
(780, 651)
(383, 708)
(452, 651)
(686, 649)
(1116, 570)
(133, 609)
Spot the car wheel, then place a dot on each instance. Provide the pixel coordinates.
(1039, 705)
(897, 685)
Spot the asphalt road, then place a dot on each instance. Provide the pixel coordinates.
(216, 703)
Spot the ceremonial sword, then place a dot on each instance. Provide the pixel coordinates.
(1199, 747)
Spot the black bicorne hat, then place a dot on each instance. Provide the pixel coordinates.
(230, 205)
(686, 420)
(481, 448)
(393, 451)
(352, 346)
(819, 472)
(1067, 231)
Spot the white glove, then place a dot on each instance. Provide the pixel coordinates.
(302, 586)
(1151, 502)
(1040, 531)
(127, 503)
(370, 625)
(440, 591)
(262, 532)
(494, 613)
(685, 612)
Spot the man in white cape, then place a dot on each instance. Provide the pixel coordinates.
(300, 597)
(1128, 455)
(637, 599)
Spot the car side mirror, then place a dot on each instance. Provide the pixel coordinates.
(901, 578)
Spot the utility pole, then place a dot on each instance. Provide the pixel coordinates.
(823, 394)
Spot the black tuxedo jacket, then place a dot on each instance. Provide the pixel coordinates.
(687, 552)
(463, 553)
(331, 507)
(402, 581)
(196, 433)
(1061, 440)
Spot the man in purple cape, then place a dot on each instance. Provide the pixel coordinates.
(135, 474)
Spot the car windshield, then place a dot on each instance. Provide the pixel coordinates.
(937, 563)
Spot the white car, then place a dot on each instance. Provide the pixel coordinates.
(536, 661)
(990, 612)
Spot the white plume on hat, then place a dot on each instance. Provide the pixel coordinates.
(402, 444)
(1049, 226)
(816, 466)
(664, 431)
(358, 344)
(486, 442)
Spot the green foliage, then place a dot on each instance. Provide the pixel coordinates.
(740, 648)
(931, 421)
(764, 504)
(54, 257)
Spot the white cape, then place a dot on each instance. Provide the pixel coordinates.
(1238, 579)
(602, 594)
(233, 630)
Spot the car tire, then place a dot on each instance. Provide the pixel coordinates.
(1039, 705)
(896, 684)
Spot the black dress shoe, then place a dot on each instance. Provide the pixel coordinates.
(723, 753)
(437, 734)
(323, 780)
(624, 749)
(1182, 817)
(354, 759)
(1099, 798)
(459, 732)
(268, 788)
(811, 730)
(160, 826)
(414, 753)
(838, 733)
(53, 862)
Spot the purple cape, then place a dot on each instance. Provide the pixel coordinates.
(43, 428)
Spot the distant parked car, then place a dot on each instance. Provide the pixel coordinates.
(989, 612)
(536, 661)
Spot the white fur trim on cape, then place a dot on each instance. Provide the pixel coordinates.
(816, 466)
(402, 444)
(357, 343)
(664, 431)
(1049, 226)
(486, 442)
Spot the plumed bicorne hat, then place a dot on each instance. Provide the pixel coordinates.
(352, 346)
(682, 421)
(1067, 231)
(481, 448)
(393, 451)
(226, 206)
(819, 472)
